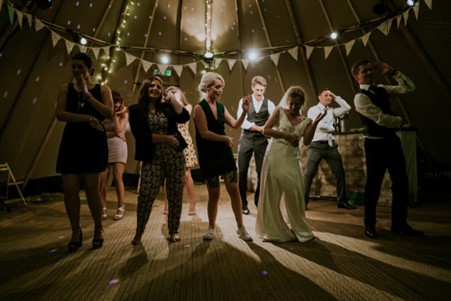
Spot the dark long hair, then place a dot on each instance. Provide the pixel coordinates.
(144, 99)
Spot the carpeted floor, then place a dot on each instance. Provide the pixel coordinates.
(340, 264)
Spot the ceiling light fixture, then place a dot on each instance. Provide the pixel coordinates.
(208, 57)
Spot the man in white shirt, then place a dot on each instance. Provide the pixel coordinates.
(382, 146)
(252, 140)
(323, 145)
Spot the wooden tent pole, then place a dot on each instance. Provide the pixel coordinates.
(240, 72)
(297, 31)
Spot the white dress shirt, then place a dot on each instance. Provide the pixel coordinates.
(257, 106)
(325, 127)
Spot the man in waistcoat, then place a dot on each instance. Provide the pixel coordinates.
(382, 146)
(323, 145)
(252, 141)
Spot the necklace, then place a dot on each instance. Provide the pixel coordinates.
(81, 100)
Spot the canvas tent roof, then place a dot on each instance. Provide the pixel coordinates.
(127, 40)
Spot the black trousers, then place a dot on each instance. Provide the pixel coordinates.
(383, 154)
(250, 144)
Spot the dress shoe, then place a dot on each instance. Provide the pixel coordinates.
(406, 230)
(371, 232)
(97, 241)
(246, 211)
(74, 245)
(346, 205)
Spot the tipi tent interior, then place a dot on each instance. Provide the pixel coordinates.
(288, 42)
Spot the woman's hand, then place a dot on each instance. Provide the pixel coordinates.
(96, 124)
(245, 104)
(294, 141)
(229, 141)
(172, 141)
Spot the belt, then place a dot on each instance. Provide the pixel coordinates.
(321, 141)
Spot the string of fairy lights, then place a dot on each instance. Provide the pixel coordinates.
(108, 61)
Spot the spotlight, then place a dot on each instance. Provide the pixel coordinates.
(334, 35)
(44, 4)
(77, 38)
(411, 2)
(208, 57)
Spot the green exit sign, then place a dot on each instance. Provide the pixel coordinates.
(158, 72)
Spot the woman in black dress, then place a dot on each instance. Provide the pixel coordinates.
(215, 150)
(83, 152)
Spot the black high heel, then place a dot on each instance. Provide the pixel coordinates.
(97, 242)
(73, 246)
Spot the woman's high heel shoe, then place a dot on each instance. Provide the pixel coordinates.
(120, 213)
(97, 241)
(73, 245)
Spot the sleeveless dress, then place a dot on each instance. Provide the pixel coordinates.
(117, 148)
(83, 149)
(282, 189)
(215, 157)
(189, 152)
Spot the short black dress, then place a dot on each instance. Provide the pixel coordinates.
(83, 149)
(215, 157)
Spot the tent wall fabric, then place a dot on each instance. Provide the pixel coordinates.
(129, 39)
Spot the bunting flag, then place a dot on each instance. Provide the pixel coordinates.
(55, 38)
(428, 3)
(146, 65)
(10, 13)
(218, 62)
(231, 64)
(95, 51)
(178, 69)
(19, 17)
(29, 19)
(245, 63)
(308, 51)
(416, 9)
(327, 51)
(38, 25)
(83, 49)
(275, 58)
(365, 38)
(348, 46)
(129, 58)
(383, 28)
(405, 15)
(193, 67)
(69, 46)
(294, 52)
(162, 68)
(398, 21)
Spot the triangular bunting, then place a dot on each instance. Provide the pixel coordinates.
(405, 15)
(275, 58)
(294, 52)
(428, 3)
(38, 25)
(95, 51)
(19, 17)
(146, 65)
(231, 64)
(178, 69)
(218, 62)
(193, 67)
(55, 38)
(398, 20)
(69, 46)
(384, 28)
(308, 51)
(348, 46)
(83, 49)
(129, 58)
(162, 68)
(327, 51)
(245, 63)
(365, 38)
(416, 9)
(29, 19)
(10, 13)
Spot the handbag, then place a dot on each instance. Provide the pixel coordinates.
(181, 140)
